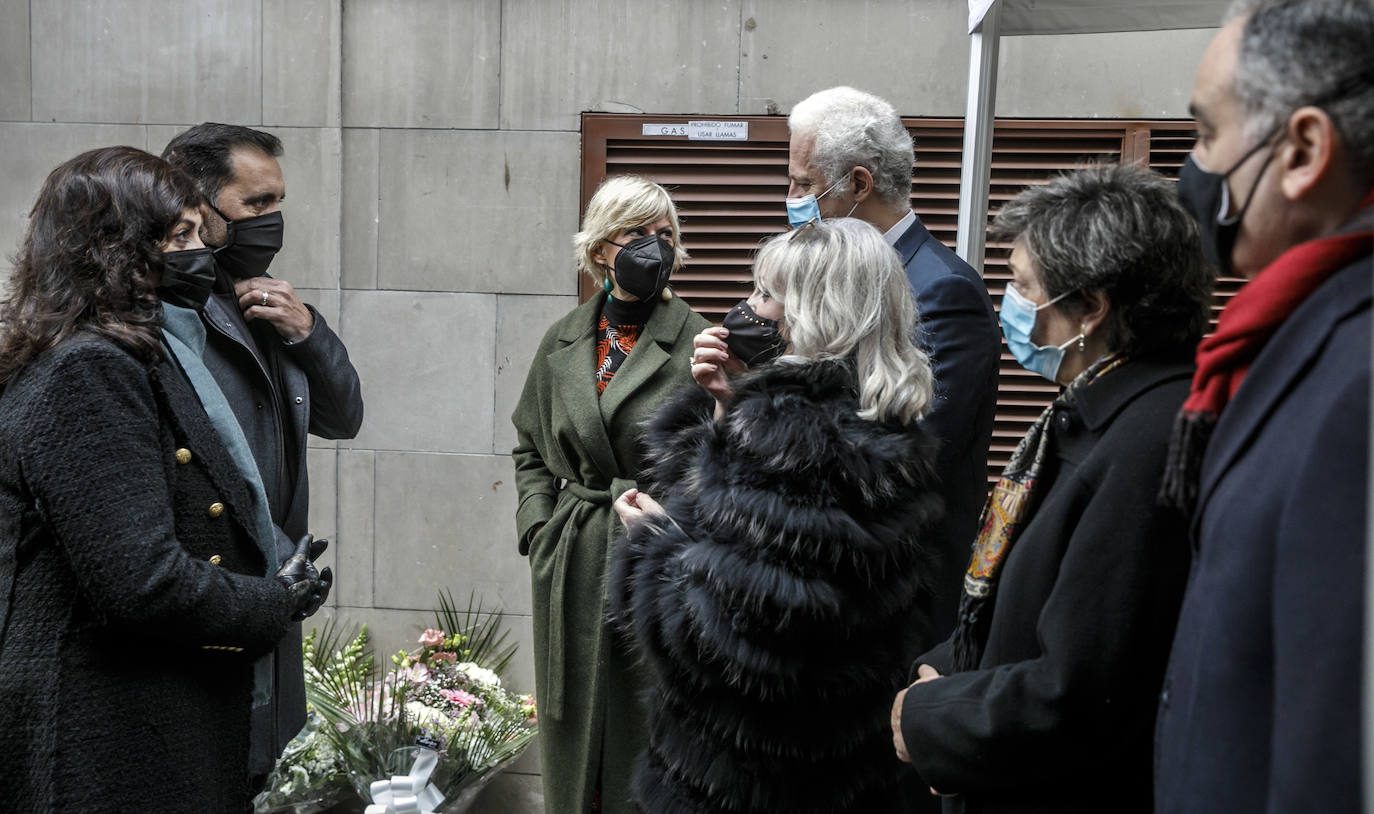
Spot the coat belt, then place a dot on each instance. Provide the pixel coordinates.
(574, 512)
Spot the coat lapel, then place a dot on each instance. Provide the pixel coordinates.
(644, 361)
(1286, 356)
(574, 367)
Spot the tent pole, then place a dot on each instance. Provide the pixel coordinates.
(976, 167)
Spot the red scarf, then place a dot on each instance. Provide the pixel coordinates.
(1244, 328)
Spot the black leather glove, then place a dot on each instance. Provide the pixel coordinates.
(308, 587)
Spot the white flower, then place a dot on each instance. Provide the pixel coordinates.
(480, 674)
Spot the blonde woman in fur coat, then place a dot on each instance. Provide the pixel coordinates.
(773, 562)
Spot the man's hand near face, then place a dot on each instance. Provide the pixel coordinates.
(275, 301)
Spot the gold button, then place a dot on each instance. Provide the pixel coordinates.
(214, 559)
(215, 510)
(183, 456)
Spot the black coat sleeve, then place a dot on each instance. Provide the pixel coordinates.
(1103, 635)
(93, 460)
(336, 398)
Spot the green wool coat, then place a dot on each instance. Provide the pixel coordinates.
(576, 453)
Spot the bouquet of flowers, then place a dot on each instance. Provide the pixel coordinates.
(437, 726)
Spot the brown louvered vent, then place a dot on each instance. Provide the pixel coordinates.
(730, 195)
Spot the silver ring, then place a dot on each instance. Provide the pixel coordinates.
(264, 299)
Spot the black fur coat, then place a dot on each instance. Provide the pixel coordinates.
(777, 606)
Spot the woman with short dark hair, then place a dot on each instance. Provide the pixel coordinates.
(136, 587)
(1044, 697)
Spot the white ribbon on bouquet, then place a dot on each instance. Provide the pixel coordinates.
(409, 793)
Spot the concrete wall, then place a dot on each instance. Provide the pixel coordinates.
(432, 167)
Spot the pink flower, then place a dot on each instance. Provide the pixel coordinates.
(431, 637)
(459, 697)
(451, 658)
(414, 674)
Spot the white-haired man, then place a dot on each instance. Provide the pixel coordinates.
(1260, 708)
(851, 151)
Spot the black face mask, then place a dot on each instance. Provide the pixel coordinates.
(251, 245)
(187, 278)
(643, 266)
(1206, 197)
(754, 340)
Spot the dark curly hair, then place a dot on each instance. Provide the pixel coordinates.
(1119, 230)
(92, 256)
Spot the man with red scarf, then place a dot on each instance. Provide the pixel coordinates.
(1260, 710)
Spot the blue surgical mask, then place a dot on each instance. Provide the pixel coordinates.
(803, 210)
(1018, 323)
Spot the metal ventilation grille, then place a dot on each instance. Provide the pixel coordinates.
(729, 196)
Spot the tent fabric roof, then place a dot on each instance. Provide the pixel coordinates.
(1097, 16)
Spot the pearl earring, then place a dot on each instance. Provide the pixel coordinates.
(1082, 335)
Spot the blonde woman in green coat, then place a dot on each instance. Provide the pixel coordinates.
(598, 374)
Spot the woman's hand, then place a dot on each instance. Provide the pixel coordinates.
(925, 673)
(634, 506)
(713, 365)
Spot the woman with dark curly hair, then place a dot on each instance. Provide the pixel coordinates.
(1044, 698)
(137, 591)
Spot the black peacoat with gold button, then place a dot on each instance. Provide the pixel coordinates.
(133, 600)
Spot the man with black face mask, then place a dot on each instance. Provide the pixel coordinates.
(281, 368)
(1259, 708)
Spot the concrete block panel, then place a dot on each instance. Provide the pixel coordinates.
(422, 63)
(1147, 74)
(388, 629)
(310, 163)
(160, 134)
(31, 152)
(323, 519)
(915, 55)
(561, 57)
(358, 252)
(425, 360)
(520, 324)
(301, 65)
(147, 61)
(353, 543)
(478, 211)
(444, 523)
(15, 96)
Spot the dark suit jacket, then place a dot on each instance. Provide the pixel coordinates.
(1058, 716)
(279, 393)
(1260, 709)
(960, 332)
(132, 601)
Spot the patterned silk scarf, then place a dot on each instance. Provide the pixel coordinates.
(1009, 508)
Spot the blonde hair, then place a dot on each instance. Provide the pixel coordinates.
(845, 295)
(623, 202)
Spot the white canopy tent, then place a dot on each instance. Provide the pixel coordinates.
(988, 22)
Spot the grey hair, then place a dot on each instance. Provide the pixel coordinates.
(1120, 231)
(1309, 52)
(857, 129)
(845, 296)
